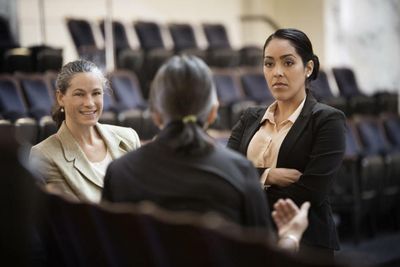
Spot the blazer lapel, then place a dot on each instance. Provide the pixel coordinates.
(115, 144)
(256, 117)
(73, 153)
(297, 128)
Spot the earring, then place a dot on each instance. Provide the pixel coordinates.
(308, 75)
(62, 109)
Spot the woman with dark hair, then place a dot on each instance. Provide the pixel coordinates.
(74, 160)
(296, 143)
(184, 169)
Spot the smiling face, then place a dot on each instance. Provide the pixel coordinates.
(83, 99)
(285, 71)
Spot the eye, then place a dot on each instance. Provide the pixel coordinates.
(97, 93)
(79, 94)
(288, 63)
(268, 64)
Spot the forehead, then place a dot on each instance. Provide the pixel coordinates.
(86, 80)
(278, 47)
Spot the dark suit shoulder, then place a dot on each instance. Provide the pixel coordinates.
(324, 110)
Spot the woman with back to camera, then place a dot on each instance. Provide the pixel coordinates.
(296, 143)
(183, 169)
(74, 160)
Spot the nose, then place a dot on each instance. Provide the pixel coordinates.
(89, 102)
(278, 70)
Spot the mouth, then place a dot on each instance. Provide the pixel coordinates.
(88, 113)
(279, 84)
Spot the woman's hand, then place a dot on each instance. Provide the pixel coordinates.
(282, 176)
(290, 220)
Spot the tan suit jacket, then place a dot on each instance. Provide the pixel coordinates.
(65, 167)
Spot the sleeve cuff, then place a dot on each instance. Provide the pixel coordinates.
(264, 178)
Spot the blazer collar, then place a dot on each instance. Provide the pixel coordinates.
(297, 128)
(74, 153)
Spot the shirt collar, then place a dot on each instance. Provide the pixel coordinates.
(269, 113)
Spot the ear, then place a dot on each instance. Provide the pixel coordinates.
(59, 97)
(157, 119)
(309, 68)
(212, 116)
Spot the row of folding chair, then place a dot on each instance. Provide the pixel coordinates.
(367, 188)
(351, 100)
(153, 51)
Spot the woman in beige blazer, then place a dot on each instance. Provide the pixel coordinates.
(74, 160)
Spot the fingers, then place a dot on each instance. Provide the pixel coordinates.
(305, 207)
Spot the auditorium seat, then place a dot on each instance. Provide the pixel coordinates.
(12, 103)
(322, 91)
(84, 41)
(155, 53)
(231, 98)
(131, 105)
(374, 142)
(39, 97)
(18, 60)
(357, 101)
(255, 86)
(125, 57)
(81, 234)
(221, 53)
(184, 39)
(7, 40)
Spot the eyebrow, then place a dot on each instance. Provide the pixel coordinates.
(284, 56)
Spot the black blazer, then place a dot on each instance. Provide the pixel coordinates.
(315, 146)
(221, 180)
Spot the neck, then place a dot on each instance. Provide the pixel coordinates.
(84, 134)
(286, 108)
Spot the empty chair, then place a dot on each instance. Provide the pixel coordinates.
(255, 86)
(84, 41)
(374, 142)
(131, 104)
(12, 104)
(155, 53)
(184, 40)
(323, 92)
(345, 195)
(219, 51)
(27, 131)
(348, 87)
(39, 97)
(126, 57)
(231, 99)
(391, 124)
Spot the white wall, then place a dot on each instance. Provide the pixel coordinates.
(365, 35)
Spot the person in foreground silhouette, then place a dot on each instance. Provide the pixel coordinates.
(184, 169)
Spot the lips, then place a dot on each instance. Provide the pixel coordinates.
(279, 84)
(92, 112)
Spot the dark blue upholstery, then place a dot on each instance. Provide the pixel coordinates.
(228, 91)
(321, 88)
(81, 32)
(216, 35)
(255, 87)
(149, 35)
(119, 35)
(127, 91)
(183, 37)
(392, 130)
(38, 96)
(12, 106)
(372, 137)
(346, 82)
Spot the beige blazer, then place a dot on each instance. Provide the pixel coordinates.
(65, 167)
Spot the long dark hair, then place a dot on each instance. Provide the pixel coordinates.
(183, 93)
(301, 44)
(64, 78)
